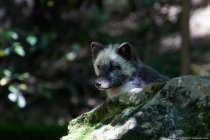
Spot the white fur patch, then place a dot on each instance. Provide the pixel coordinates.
(122, 89)
(135, 90)
(127, 87)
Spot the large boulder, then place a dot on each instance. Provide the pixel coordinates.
(178, 109)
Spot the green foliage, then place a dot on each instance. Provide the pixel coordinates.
(31, 40)
(23, 76)
(12, 37)
(200, 129)
(7, 72)
(12, 89)
(16, 96)
(18, 49)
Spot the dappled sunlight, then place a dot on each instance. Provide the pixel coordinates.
(170, 43)
(199, 28)
(200, 22)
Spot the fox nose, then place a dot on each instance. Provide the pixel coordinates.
(98, 83)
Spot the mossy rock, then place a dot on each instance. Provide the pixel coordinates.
(178, 108)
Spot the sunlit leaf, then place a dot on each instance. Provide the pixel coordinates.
(21, 101)
(71, 56)
(50, 3)
(31, 40)
(13, 97)
(13, 89)
(24, 76)
(3, 81)
(7, 72)
(23, 86)
(13, 35)
(16, 44)
(1, 30)
(19, 50)
(2, 53)
(6, 51)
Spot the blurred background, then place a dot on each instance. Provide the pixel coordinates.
(46, 73)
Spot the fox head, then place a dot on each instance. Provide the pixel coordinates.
(113, 64)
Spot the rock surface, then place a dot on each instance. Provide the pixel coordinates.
(177, 109)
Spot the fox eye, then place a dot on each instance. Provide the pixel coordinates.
(99, 67)
(115, 67)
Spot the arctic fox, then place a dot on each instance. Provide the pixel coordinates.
(119, 70)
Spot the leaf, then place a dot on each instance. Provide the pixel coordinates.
(6, 51)
(7, 72)
(71, 56)
(23, 86)
(21, 102)
(31, 40)
(13, 97)
(3, 81)
(13, 89)
(50, 3)
(19, 50)
(14, 44)
(13, 35)
(24, 76)
(2, 53)
(1, 30)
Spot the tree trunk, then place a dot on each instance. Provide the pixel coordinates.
(185, 55)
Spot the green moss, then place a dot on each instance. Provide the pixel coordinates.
(201, 127)
(84, 132)
(98, 125)
(79, 133)
(196, 130)
(106, 111)
(206, 119)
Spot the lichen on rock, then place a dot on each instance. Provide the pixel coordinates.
(175, 109)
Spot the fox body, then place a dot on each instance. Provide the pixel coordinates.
(119, 70)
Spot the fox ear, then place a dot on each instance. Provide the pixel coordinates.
(126, 51)
(96, 49)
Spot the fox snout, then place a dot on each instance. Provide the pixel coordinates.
(102, 83)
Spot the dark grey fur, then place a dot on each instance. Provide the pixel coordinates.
(141, 76)
(145, 75)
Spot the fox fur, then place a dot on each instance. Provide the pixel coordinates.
(119, 70)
